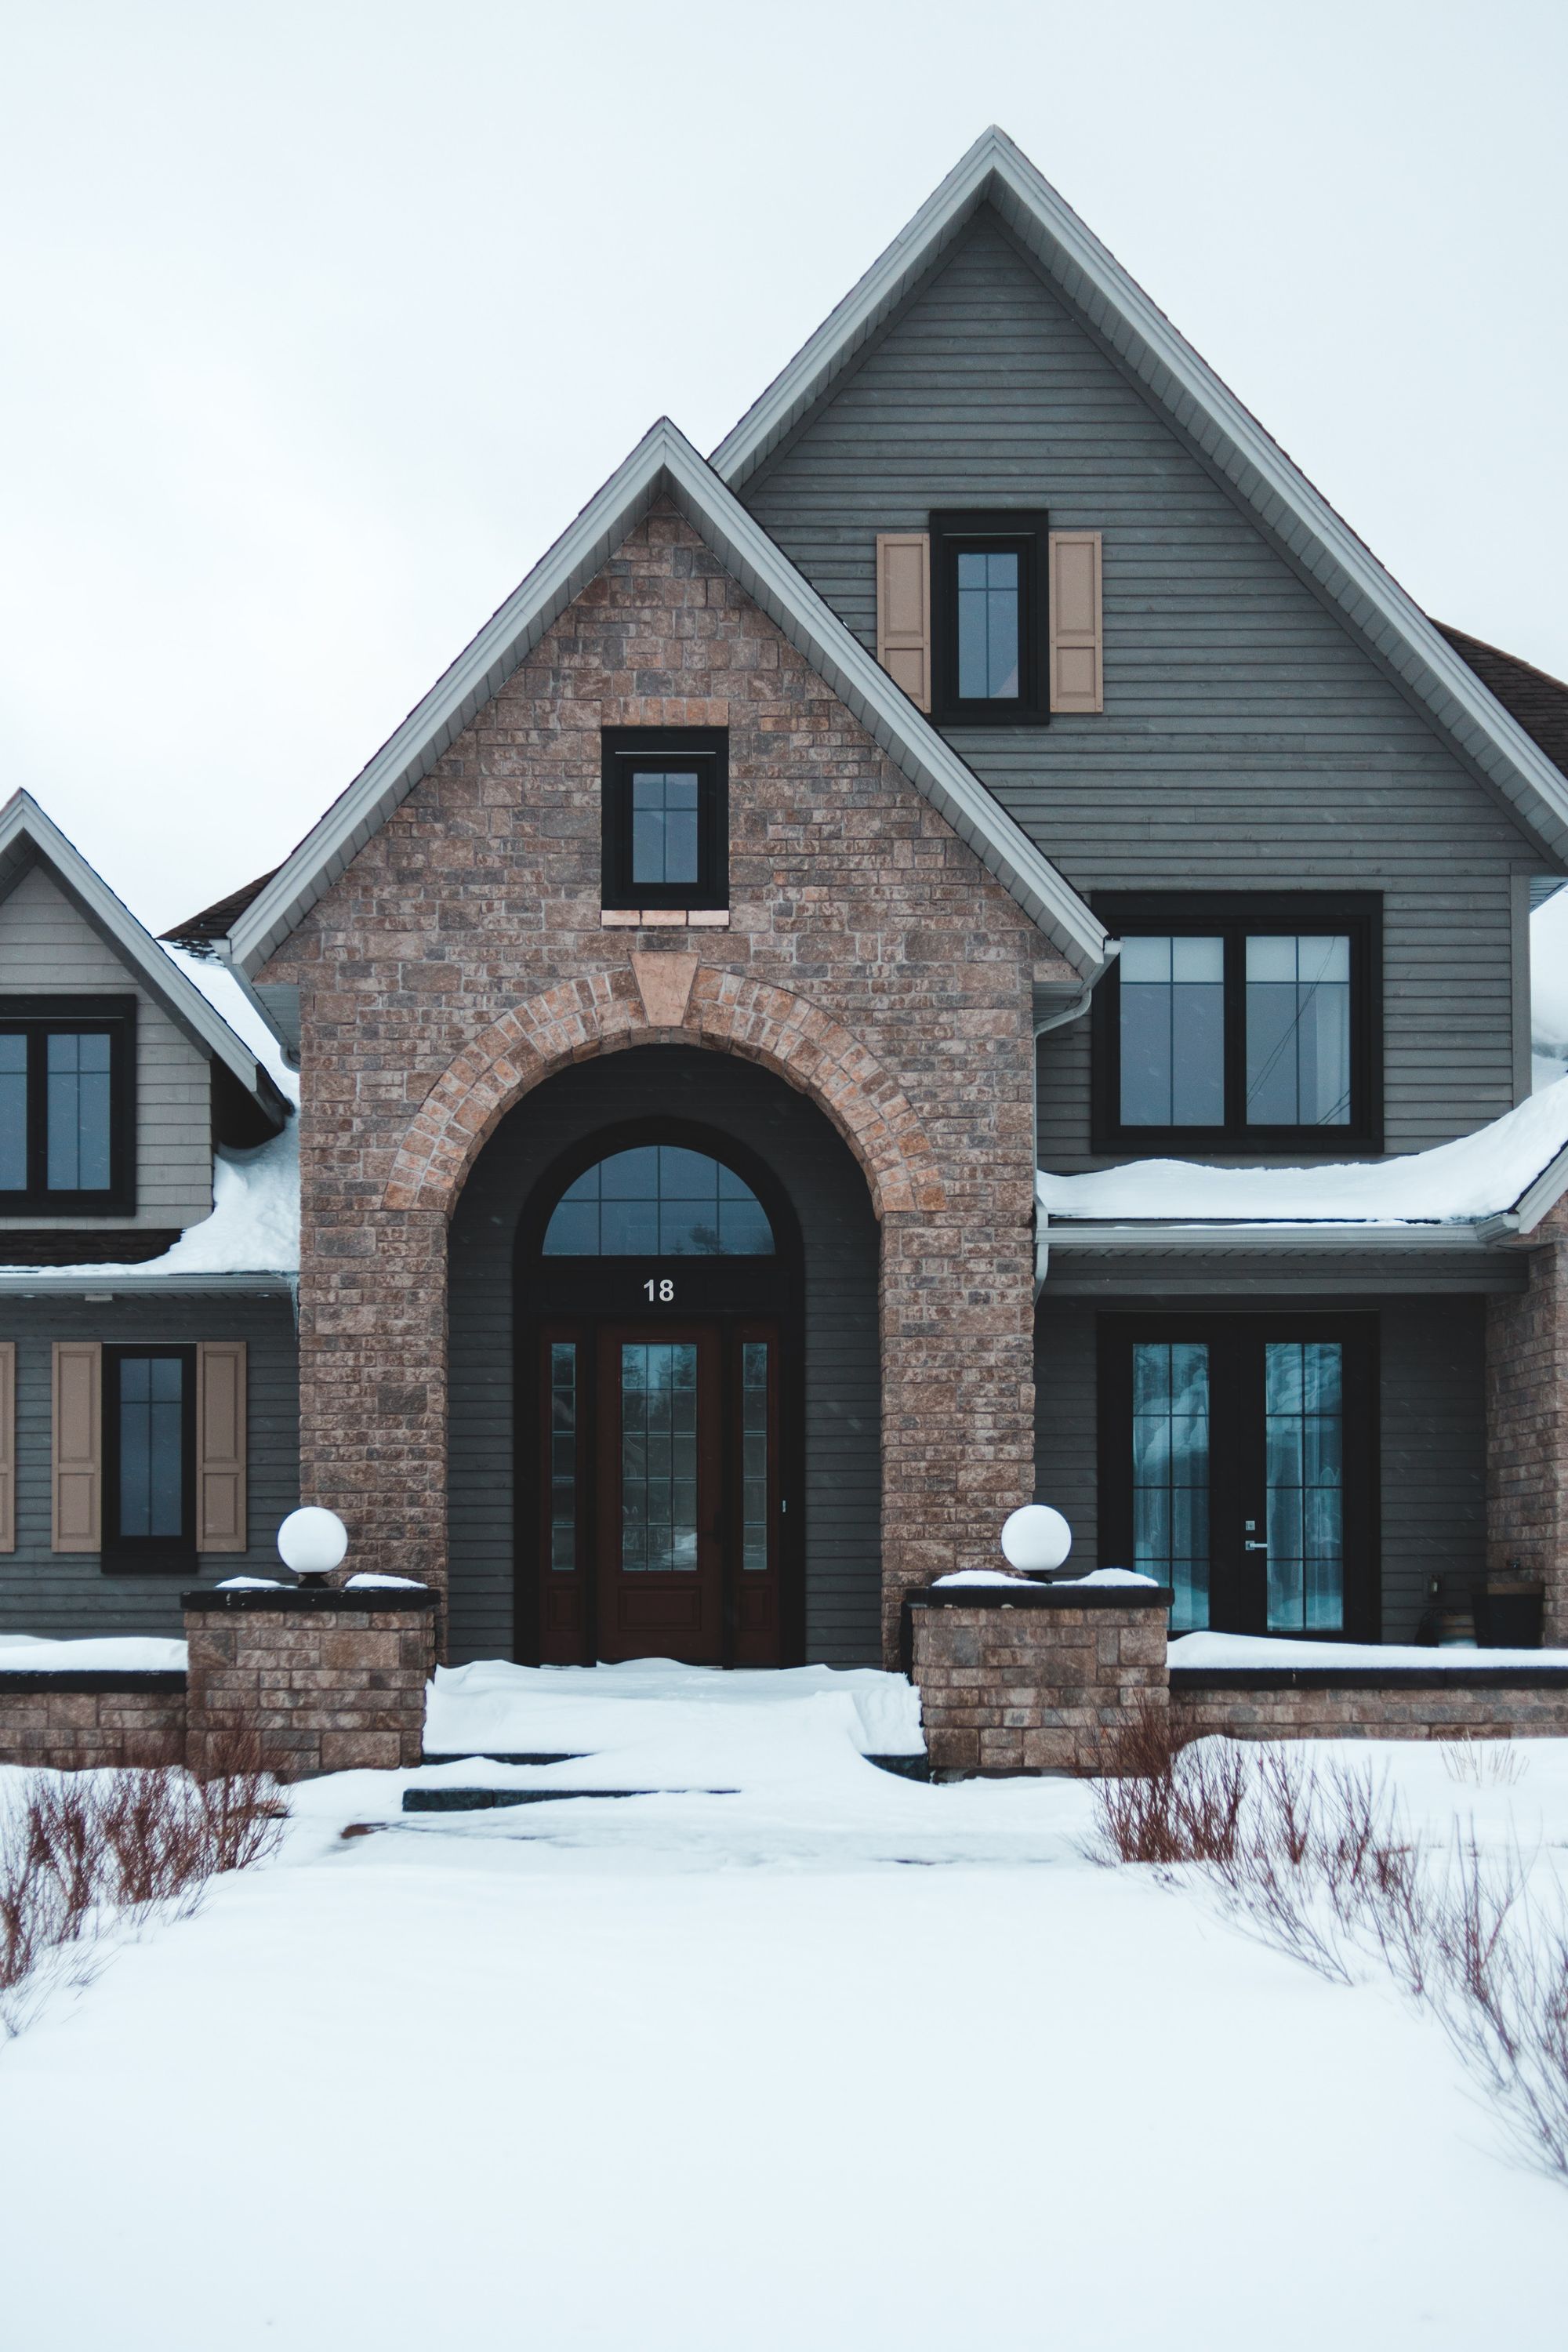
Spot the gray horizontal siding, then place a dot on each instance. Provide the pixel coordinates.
(843, 1411)
(47, 948)
(1431, 1437)
(67, 1595)
(1246, 741)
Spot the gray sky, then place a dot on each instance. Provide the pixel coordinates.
(321, 320)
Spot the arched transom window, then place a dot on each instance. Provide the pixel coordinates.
(659, 1200)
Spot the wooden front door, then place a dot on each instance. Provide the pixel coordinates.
(660, 1490)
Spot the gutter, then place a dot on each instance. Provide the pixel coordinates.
(1047, 1017)
(105, 1282)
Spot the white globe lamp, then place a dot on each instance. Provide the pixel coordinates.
(312, 1542)
(1036, 1539)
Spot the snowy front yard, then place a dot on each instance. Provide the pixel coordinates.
(838, 2060)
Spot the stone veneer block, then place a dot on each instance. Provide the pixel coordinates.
(329, 1680)
(77, 1722)
(1032, 1680)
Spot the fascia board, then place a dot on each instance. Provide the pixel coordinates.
(1539, 1197)
(1219, 427)
(142, 1281)
(664, 460)
(1212, 1239)
(23, 820)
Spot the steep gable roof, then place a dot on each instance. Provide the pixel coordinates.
(665, 464)
(1458, 696)
(28, 837)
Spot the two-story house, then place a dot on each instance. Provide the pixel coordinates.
(973, 944)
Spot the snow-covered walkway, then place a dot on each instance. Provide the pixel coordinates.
(722, 2072)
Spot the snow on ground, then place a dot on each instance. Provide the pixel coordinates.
(1257, 1650)
(714, 1722)
(1476, 1177)
(705, 2071)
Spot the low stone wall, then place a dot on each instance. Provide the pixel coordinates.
(1027, 1679)
(70, 1722)
(1449, 1703)
(331, 1680)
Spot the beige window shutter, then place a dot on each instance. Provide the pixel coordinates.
(1078, 634)
(77, 1445)
(903, 610)
(8, 1445)
(220, 1446)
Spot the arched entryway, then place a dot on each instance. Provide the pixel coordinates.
(811, 1299)
(659, 1317)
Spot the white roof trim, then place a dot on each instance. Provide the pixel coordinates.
(664, 462)
(1211, 420)
(1214, 1239)
(22, 821)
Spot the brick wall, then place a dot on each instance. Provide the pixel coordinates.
(331, 1681)
(1401, 1707)
(869, 959)
(75, 1722)
(1526, 1425)
(1031, 1687)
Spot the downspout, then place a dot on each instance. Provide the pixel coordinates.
(1043, 1025)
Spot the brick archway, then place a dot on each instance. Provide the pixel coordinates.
(667, 996)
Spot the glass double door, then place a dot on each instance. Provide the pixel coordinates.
(1238, 1466)
(660, 1492)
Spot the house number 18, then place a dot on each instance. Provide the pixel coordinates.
(663, 1291)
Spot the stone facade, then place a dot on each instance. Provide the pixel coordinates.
(1033, 1684)
(76, 1722)
(1445, 1705)
(1526, 1425)
(329, 1681)
(868, 959)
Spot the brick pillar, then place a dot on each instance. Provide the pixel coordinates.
(329, 1680)
(1526, 1425)
(1027, 1680)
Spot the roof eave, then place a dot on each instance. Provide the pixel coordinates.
(1214, 423)
(21, 819)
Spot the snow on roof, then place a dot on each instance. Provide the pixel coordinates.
(240, 1014)
(254, 1227)
(1481, 1175)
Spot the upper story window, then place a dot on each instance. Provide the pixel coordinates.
(666, 817)
(67, 1115)
(659, 1200)
(1235, 1024)
(988, 597)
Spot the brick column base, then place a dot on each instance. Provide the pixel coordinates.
(326, 1679)
(1027, 1680)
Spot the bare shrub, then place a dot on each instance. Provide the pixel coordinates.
(1319, 1862)
(78, 1851)
(1471, 1756)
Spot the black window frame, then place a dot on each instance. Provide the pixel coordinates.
(147, 1555)
(1237, 914)
(966, 531)
(38, 1017)
(1237, 1467)
(625, 751)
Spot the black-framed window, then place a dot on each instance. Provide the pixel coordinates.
(1239, 1023)
(988, 617)
(149, 1457)
(1239, 1463)
(68, 1068)
(666, 817)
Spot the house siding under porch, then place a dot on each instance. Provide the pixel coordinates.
(67, 1595)
(1432, 1434)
